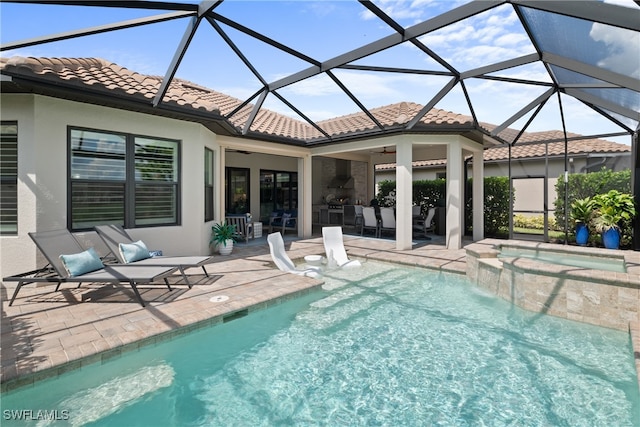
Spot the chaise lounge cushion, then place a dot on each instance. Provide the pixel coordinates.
(135, 251)
(81, 263)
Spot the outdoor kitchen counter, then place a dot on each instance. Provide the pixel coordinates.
(331, 215)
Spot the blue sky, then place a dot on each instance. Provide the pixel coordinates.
(323, 30)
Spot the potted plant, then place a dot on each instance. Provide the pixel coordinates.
(582, 214)
(612, 210)
(223, 235)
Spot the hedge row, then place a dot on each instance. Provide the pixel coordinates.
(429, 193)
(432, 193)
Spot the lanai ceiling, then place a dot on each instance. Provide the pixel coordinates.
(558, 59)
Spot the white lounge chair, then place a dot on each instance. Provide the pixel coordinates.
(282, 260)
(334, 248)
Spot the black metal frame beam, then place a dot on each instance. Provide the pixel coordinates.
(95, 30)
(138, 4)
(617, 16)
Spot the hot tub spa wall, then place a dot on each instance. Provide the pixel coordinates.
(591, 296)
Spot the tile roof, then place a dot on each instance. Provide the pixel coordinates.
(531, 148)
(394, 115)
(106, 77)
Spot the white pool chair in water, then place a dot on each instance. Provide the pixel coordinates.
(282, 260)
(334, 248)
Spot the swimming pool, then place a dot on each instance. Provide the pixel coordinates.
(382, 346)
(564, 257)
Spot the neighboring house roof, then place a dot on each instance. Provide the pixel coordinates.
(533, 147)
(107, 79)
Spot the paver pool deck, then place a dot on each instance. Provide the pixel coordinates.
(47, 333)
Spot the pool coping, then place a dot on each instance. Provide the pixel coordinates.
(46, 334)
(191, 309)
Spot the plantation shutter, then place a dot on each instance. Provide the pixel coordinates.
(156, 170)
(9, 179)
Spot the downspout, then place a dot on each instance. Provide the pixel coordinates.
(545, 193)
(593, 166)
(464, 194)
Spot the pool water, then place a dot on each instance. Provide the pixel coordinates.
(566, 258)
(381, 346)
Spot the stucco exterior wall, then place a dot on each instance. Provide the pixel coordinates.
(42, 178)
(18, 253)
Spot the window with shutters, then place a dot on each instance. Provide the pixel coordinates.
(8, 178)
(117, 178)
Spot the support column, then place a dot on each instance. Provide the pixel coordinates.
(404, 195)
(455, 179)
(219, 208)
(305, 190)
(371, 182)
(478, 196)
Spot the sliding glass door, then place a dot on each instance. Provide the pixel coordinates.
(278, 191)
(237, 185)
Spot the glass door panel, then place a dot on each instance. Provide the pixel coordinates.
(237, 184)
(278, 191)
(267, 194)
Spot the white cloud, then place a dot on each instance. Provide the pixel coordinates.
(321, 9)
(370, 85)
(626, 3)
(624, 49)
(364, 85)
(320, 85)
(512, 40)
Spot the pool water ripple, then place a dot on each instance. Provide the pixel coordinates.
(387, 346)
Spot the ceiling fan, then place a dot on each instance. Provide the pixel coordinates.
(385, 151)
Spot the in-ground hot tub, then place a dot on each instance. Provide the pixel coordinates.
(591, 285)
(569, 256)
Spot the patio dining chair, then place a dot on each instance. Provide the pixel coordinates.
(369, 221)
(116, 238)
(387, 220)
(423, 224)
(69, 262)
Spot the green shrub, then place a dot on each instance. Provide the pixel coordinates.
(430, 193)
(496, 206)
(532, 222)
(426, 193)
(581, 186)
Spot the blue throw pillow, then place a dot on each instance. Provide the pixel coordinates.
(84, 262)
(135, 251)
